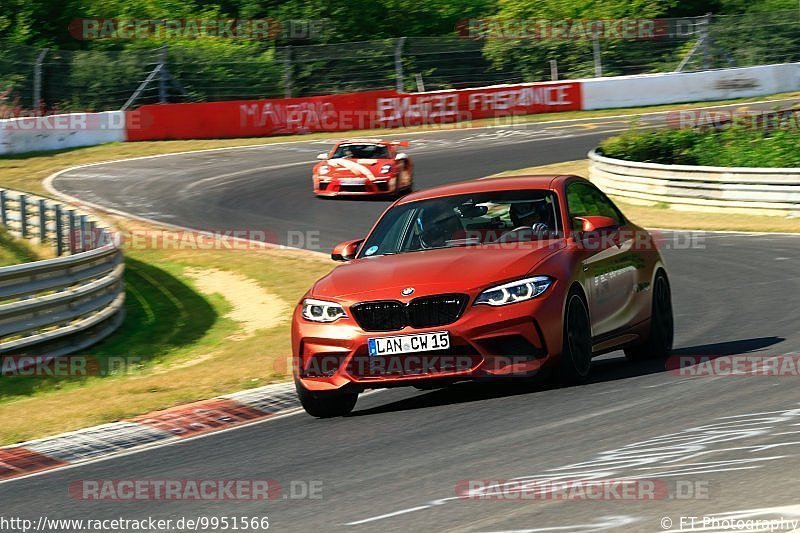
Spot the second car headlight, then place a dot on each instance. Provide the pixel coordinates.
(324, 169)
(516, 291)
(322, 311)
(385, 169)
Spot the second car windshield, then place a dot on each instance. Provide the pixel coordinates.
(362, 151)
(464, 220)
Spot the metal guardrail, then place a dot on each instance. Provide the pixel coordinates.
(774, 191)
(57, 306)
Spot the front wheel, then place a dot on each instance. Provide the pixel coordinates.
(662, 328)
(326, 404)
(576, 354)
(405, 182)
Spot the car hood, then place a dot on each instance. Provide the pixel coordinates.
(347, 167)
(461, 269)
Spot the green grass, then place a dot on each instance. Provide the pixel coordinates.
(180, 339)
(14, 251)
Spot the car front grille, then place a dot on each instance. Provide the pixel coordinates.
(423, 312)
(352, 188)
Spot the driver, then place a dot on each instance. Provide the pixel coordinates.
(436, 225)
(530, 216)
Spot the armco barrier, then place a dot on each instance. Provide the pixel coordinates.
(753, 190)
(56, 132)
(343, 112)
(57, 306)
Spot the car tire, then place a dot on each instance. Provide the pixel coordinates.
(662, 326)
(575, 362)
(326, 404)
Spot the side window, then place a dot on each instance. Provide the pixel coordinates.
(586, 200)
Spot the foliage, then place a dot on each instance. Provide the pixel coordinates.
(101, 74)
(735, 146)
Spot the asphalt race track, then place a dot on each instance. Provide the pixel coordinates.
(716, 444)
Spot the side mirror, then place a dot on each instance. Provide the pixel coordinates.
(322, 156)
(345, 251)
(597, 223)
(401, 157)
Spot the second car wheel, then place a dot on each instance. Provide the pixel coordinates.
(662, 328)
(576, 354)
(326, 404)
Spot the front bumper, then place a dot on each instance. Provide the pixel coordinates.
(353, 186)
(514, 340)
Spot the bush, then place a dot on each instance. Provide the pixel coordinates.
(735, 146)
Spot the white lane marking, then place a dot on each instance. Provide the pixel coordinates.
(387, 515)
(669, 453)
(245, 172)
(668, 383)
(546, 427)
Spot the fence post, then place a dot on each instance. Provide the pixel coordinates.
(554, 69)
(71, 232)
(37, 81)
(398, 64)
(42, 221)
(598, 60)
(93, 240)
(3, 213)
(59, 232)
(420, 83)
(706, 43)
(83, 225)
(23, 215)
(287, 73)
(163, 75)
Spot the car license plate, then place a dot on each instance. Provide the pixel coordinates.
(351, 181)
(423, 342)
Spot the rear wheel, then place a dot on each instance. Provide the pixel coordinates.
(576, 355)
(662, 328)
(326, 404)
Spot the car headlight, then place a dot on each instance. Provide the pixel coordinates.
(324, 169)
(321, 311)
(385, 169)
(516, 291)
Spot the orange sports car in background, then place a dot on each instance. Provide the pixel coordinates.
(493, 277)
(359, 167)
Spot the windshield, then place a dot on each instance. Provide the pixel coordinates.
(362, 151)
(465, 220)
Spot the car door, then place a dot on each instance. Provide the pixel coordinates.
(608, 263)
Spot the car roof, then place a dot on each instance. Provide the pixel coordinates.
(541, 182)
